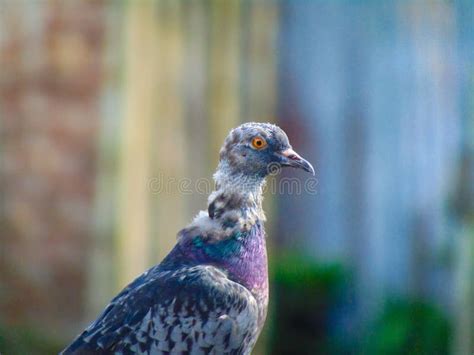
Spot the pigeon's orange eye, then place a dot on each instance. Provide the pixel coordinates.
(259, 143)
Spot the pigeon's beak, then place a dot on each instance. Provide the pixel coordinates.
(293, 159)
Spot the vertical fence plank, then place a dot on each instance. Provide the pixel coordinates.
(141, 84)
(169, 148)
(196, 84)
(224, 64)
(101, 267)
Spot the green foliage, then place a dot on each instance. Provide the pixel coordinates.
(19, 340)
(309, 298)
(303, 273)
(305, 296)
(408, 327)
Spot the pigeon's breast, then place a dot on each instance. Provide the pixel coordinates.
(249, 267)
(242, 256)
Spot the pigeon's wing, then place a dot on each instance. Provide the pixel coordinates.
(195, 310)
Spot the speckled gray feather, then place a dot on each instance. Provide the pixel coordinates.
(200, 311)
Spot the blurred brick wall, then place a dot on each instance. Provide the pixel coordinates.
(50, 80)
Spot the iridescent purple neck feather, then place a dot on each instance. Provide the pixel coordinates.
(230, 234)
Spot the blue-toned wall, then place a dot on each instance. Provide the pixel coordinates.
(379, 97)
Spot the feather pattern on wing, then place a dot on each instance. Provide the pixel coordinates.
(195, 310)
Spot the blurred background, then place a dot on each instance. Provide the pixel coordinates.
(102, 101)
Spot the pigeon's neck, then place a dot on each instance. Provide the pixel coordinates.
(230, 234)
(233, 208)
(237, 200)
(228, 178)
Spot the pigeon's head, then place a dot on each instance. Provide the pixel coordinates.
(258, 149)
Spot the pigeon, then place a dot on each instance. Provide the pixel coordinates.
(210, 293)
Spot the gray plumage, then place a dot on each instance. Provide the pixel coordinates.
(200, 311)
(210, 294)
